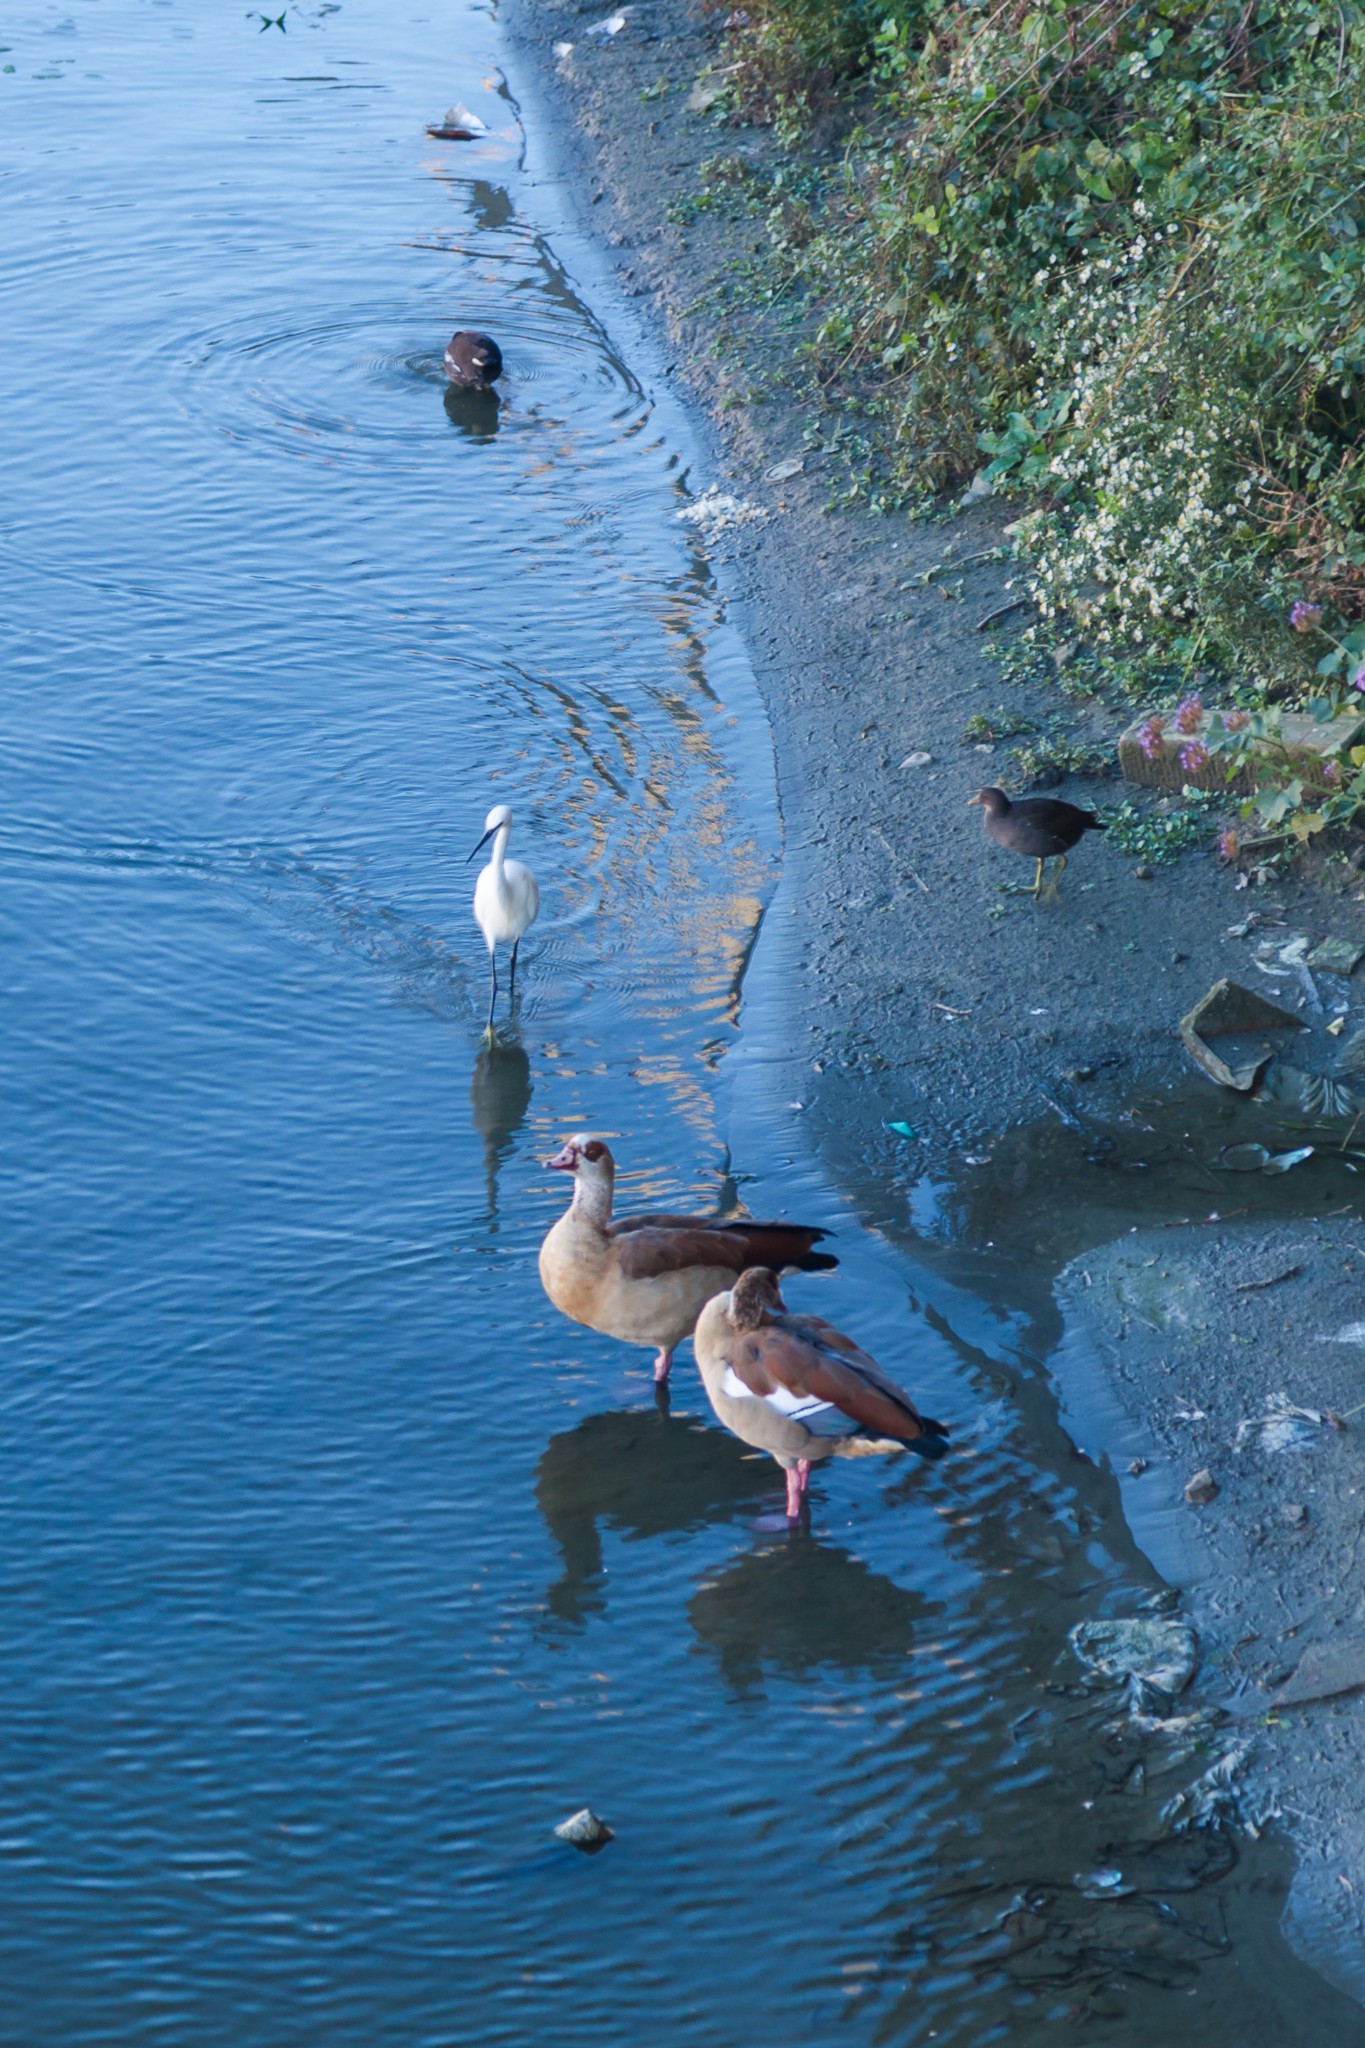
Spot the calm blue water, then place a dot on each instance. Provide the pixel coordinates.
(336, 1567)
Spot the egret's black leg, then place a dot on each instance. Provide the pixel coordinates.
(493, 991)
(512, 977)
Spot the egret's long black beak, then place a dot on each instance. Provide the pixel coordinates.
(483, 842)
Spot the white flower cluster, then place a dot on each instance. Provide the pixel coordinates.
(1152, 474)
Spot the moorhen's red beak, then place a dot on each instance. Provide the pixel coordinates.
(566, 1161)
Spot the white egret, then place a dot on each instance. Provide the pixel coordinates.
(506, 900)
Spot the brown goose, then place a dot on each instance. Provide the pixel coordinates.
(1043, 827)
(472, 358)
(799, 1388)
(646, 1279)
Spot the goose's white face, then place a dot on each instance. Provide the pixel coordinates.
(586, 1156)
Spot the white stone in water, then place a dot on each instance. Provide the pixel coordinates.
(584, 1829)
(715, 511)
(1161, 1654)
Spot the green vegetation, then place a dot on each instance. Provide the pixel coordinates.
(1054, 754)
(1161, 835)
(1115, 254)
(1049, 752)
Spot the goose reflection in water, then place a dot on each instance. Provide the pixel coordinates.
(793, 1605)
(646, 1473)
(499, 1097)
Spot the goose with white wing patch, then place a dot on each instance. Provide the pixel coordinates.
(797, 1387)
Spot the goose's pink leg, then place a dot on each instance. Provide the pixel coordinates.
(662, 1363)
(797, 1476)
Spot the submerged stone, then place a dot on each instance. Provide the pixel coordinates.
(1159, 1653)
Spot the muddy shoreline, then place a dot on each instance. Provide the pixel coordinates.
(946, 1035)
(954, 1006)
(1241, 1355)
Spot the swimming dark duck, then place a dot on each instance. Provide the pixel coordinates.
(1043, 827)
(472, 358)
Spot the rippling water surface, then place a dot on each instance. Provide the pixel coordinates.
(337, 1568)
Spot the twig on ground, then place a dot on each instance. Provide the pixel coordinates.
(1002, 611)
(1273, 1280)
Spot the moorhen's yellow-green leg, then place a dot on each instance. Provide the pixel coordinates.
(1023, 888)
(1052, 887)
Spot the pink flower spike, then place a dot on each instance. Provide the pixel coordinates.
(1237, 721)
(1189, 714)
(1194, 756)
(1358, 679)
(1150, 735)
(1303, 617)
(1229, 845)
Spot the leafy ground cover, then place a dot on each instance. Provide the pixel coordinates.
(1113, 256)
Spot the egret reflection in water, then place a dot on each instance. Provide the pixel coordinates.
(500, 1091)
(645, 1472)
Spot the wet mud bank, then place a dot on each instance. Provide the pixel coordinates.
(1230, 1410)
(998, 1084)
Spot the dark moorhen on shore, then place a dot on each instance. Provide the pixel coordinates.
(473, 359)
(1043, 827)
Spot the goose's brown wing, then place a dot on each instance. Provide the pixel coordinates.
(654, 1247)
(649, 1245)
(831, 1338)
(782, 1359)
